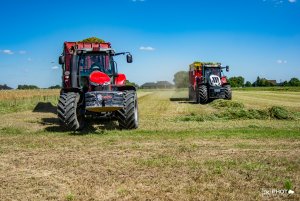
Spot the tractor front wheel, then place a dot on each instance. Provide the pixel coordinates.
(128, 115)
(202, 94)
(228, 92)
(69, 111)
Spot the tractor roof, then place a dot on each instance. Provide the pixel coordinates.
(87, 47)
(199, 64)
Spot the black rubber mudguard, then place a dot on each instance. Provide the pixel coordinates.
(126, 88)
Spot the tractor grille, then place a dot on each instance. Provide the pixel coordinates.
(98, 101)
(215, 80)
(216, 92)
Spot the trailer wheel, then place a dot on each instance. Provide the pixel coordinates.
(228, 92)
(128, 116)
(69, 111)
(202, 94)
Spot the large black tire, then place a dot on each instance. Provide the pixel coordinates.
(228, 92)
(202, 94)
(69, 111)
(128, 117)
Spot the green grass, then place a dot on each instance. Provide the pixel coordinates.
(225, 150)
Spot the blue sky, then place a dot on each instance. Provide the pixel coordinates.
(253, 37)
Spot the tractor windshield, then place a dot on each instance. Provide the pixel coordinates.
(90, 62)
(212, 71)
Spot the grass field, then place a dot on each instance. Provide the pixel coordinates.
(226, 150)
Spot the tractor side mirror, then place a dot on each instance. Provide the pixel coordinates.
(227, 68)
(61, 60)
(129, 58)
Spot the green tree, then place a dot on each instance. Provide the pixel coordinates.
(181, 79)
(295, 82)
(262, 82)
(236, 81)
(257, 82)
(285, 84)
(131, 83)
(93, 40)
(248, 84)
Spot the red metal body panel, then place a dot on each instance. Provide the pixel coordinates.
(120, 79)
(194, 76)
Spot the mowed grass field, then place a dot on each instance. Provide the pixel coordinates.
(225, 150)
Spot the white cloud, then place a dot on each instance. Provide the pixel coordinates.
(7, 52)
(137, 0)
(54, 67)
(279, 61)
(147, 48)
(279, 3)
(22, 52)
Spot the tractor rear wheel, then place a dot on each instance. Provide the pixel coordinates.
(202, 94)
(228, 92)
(128, 115)
(69, 111)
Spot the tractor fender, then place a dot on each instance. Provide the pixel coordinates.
(126, 88)
(224, 80)
(120, 79)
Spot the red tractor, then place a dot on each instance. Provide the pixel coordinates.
(92, 87)
(207, 82)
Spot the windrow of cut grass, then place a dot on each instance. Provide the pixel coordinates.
(21, 100)
(24, 104)
(234, 110)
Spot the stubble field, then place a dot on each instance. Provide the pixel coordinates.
(226, 150)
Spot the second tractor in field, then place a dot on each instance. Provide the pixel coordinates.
(207, 82)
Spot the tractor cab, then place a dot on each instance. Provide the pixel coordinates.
(96, 69)
(83, 62)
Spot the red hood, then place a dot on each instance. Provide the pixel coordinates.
(99, 78)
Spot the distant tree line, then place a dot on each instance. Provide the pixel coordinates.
(131, 83)
(55, 87)
(25, 86)
(5, 87)
(294, 82)
(261, 82)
